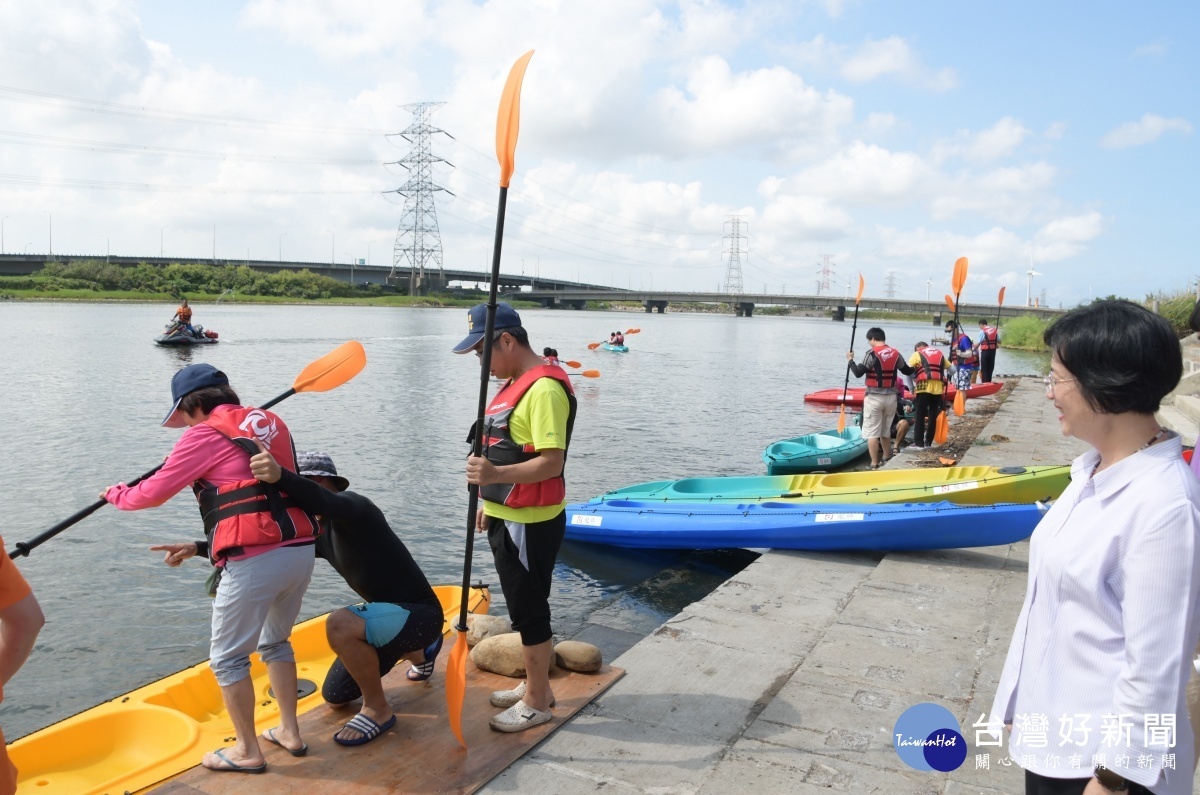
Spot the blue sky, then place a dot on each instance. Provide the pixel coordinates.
(894, 137)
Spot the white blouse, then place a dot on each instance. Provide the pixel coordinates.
(1102, 649)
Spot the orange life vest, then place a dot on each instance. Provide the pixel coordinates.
(933, 365)
(991, 339)
(185, 315)
(500, 449)
(883, 375)
(250, 513)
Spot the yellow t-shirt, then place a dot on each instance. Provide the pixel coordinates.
(932, 386)
(540, 419)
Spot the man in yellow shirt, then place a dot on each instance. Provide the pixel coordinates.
(929, 380)
(526, 433)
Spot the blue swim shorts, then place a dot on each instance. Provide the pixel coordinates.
(384, 620)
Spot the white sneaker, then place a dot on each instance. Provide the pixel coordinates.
(506, 698)
(519, 717)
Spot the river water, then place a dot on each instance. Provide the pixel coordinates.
(84, 389)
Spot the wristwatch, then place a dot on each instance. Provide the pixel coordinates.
(1110, 780)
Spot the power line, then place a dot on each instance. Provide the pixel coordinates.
(62, 182)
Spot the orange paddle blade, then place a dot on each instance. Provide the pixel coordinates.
(634, 331)
(590, 374)
(333, 369)
(842, 419)
(960, 403)
(573, 363)
(942, 433)
(594, 345)
(456, 684)
(946, 462)
(861, 284)
(1000, 299)
(950, 303)
(508, 120)
(960, 275)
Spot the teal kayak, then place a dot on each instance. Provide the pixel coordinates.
(813, 451)
(608, 346)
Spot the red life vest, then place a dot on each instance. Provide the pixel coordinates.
(933, 365)
(249, 513)
(883, 375)
(991, 339)
(500, 449)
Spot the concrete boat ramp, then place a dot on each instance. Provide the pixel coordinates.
(789, 678)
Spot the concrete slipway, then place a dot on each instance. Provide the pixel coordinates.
(790, 676)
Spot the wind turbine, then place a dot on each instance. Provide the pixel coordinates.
(1029, 281)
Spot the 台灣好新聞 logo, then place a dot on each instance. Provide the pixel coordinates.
(928, 737)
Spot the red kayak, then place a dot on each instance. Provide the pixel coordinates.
(854, 395)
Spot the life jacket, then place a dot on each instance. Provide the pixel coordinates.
(500, 449)
(967, 354)
(991, 339)
(185, 314)
(933, 365)
(883, 375)
(620, 339)
(249, 513)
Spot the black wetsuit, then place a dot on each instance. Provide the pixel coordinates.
(359, 544)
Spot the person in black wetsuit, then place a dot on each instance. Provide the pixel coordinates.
(401, 617)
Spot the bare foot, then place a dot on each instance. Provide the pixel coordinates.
(349, 735)
(226, 759)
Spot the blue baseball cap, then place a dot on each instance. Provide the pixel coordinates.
(188, 380)
(506, 317)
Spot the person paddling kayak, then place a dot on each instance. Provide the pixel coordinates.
(262, 542)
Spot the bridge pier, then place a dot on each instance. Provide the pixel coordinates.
(743, 309)
(839, 314)
(656, 306)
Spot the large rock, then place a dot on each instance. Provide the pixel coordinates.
(502, 654)
(485, 626)
(575, 655)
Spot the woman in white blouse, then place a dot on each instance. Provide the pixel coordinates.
(1093, 686)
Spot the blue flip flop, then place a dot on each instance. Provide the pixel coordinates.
(269, 736)
(234, 767)
(366, 727)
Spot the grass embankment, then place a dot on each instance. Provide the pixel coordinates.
(96, 280)
(1024, 333)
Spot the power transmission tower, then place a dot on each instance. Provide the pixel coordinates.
(418, 240)
(733, 268)
(825, 273)
(889, 288)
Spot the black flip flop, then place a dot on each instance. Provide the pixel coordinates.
(234, 767)
(269, 736)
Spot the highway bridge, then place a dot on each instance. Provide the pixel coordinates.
(25, 264)
(743, 304)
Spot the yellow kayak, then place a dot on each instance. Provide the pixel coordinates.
(978, 485)
(158, 731)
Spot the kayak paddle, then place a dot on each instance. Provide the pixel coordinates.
(853, 328)
(957, 282)
(999, 305)
(508, 122)
(329, 372)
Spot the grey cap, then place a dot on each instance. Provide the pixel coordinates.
(311, 463)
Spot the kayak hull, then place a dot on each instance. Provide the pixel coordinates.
(978, 485)
(608, 346)
(854, 394)
(183, 340)
(813, 451)
(160, 730)
(774, 525)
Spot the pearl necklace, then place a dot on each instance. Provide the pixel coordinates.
(1161, 433)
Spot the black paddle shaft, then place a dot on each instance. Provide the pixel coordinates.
(485, 371)
(25, 547)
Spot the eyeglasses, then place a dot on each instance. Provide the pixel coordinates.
(1051, 382)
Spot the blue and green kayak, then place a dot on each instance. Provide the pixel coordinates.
(813, 451)
(978, 485)
(608, 346)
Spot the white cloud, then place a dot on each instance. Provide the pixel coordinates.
(863, 174)
(1151, 49)
(998, 141)
(1055, 131)
(894, 56)
(1146, 130)
(1066, 237)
